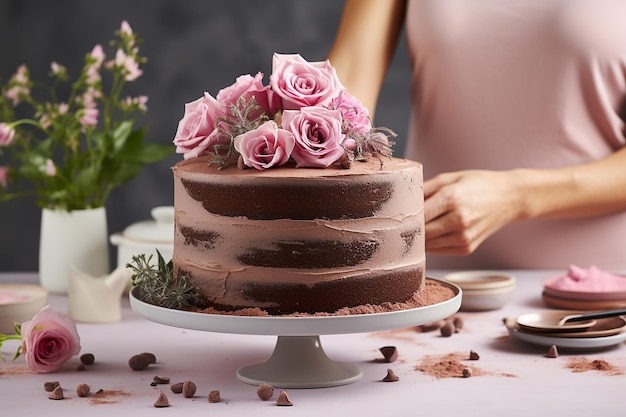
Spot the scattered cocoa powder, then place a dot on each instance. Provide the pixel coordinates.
(102, 396)
(451, 366)
(582, 364)
(16, 370)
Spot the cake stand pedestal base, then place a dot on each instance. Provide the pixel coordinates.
(299, 362)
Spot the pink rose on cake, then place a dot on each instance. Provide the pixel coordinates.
(355, 116)
(246, 87)
(197, 133)
(302, 84)
(317, 131)
(266, 146)
(303, 115)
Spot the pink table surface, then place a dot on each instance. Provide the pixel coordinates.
(516, 378)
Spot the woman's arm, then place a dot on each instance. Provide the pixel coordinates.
(364, 46)
(463, 208)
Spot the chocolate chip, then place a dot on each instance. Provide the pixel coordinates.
(57, 393)
(283, 399)
(189, 389)
(447, 329)
(390, 353)
(149, 357)
(431, 326)
(265, 391)
(458, 324)
(177, 388)
(82, 390)
(161, 380)
(141, 361)
(467, 372)
(553, 352)
(87, 359)
(214, 396)
(162, 401)
(391, 376)
(49, 386)
(473, 356)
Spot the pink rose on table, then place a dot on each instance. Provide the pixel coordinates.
(318, 136)
(301, 84)
(249, 86)
(355, 116)
(196, 133)
(49, 340)
(266, 146)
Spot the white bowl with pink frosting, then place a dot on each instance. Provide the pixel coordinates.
(19, 303)
(587, 284)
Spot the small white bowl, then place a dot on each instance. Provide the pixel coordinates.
(19, 303)
(483, 290)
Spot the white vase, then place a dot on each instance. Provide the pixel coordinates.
(78, 238)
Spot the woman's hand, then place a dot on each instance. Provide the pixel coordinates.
(463, 208)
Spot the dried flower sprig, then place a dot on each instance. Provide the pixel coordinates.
(158, 285)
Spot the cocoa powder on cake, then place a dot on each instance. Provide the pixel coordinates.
(433, 292)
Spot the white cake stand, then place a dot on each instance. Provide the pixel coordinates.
(298, 360)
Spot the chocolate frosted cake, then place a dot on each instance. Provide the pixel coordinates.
(298, 239)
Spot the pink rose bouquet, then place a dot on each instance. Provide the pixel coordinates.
(48, 340)
(304, 115)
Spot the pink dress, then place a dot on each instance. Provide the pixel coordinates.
(500, 84)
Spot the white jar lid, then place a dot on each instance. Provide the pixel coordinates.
(160, 229)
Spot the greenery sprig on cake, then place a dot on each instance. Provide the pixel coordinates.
(158, 286)
(304, 115)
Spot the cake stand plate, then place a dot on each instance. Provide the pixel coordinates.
(298, 359)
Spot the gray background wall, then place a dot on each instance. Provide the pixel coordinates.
(192, 46)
